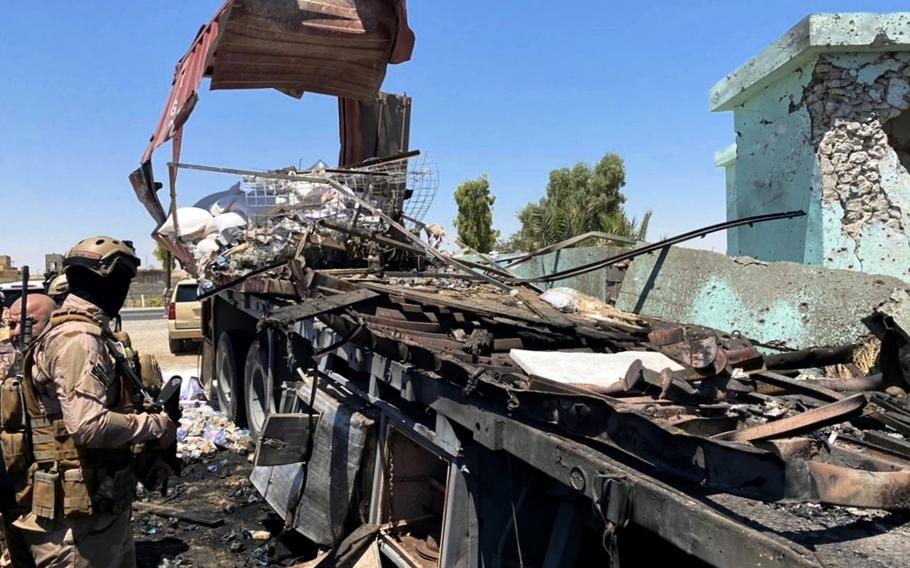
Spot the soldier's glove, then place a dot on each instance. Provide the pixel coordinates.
(155, 477)
(169, 437)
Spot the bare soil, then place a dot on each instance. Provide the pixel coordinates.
(216, 487)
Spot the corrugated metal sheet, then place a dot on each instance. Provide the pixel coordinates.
(335, 47)
(183, 95)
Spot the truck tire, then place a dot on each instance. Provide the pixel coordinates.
(174, 345)
(257, 388)
(226, 379)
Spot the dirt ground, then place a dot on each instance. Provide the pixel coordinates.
(230, 524)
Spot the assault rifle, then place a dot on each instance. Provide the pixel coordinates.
(168, 401)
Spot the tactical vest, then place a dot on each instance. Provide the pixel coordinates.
(53, 476)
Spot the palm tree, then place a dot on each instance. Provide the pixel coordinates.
(544, 226)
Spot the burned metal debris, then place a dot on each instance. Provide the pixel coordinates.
(719, 416)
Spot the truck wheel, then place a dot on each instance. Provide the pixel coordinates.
(174, 345)
(226, 379)
(257, 389)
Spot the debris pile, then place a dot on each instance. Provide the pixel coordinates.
(201, 523)
(696, 404)
(204, 431)
(267, 217)
(213, 516)
(586, 368)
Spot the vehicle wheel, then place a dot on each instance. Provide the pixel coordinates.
(175, 345)
(226, 379)
(257, 389)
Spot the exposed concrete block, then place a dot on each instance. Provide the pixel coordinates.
(780, 303)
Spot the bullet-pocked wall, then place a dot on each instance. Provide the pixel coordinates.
(822, 124)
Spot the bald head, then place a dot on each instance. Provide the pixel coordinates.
(40, 308)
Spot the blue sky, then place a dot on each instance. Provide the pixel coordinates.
(510, 89)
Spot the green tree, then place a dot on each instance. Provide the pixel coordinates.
(164, 256)
(474, 221)
(578, 200)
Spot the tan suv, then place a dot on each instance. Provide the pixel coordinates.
(184, 316)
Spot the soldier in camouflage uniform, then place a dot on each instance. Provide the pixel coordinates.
(72, 453)
(15, 552)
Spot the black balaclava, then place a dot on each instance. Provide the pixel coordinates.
(108, 293)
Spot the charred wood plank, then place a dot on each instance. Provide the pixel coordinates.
(193, 517)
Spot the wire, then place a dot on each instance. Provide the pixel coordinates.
(590, 267)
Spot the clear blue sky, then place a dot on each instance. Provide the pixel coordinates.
(511, 89)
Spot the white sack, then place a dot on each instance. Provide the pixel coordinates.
(191, 220)
(219, 223)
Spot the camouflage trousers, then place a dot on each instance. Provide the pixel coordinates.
(15, 553)
(100, 541)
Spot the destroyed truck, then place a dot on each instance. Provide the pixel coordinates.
(413, 408)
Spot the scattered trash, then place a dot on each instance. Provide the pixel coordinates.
(192, 393)
(572, 301)
(204, 430)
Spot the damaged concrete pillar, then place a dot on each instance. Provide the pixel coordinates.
(822, 124)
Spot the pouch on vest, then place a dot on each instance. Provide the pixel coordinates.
(77, 499)
(23, 487)
(44, 494)
(11, 415)
(16, 455)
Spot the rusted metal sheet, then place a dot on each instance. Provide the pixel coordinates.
(828, 414)
(857, 488)
(187, 76)
(373, 128)
(334, 47)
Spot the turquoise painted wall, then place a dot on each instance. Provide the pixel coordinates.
(817, 139)
(781, 304)
(774, 172)
(602, 284)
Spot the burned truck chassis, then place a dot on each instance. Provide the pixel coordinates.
(621, 490)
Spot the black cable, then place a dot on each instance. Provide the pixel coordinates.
(590, 267)
(344, 339)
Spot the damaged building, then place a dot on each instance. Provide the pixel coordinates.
(822, 124)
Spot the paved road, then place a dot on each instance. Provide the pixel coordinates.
(142, 314)
(149, 335)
